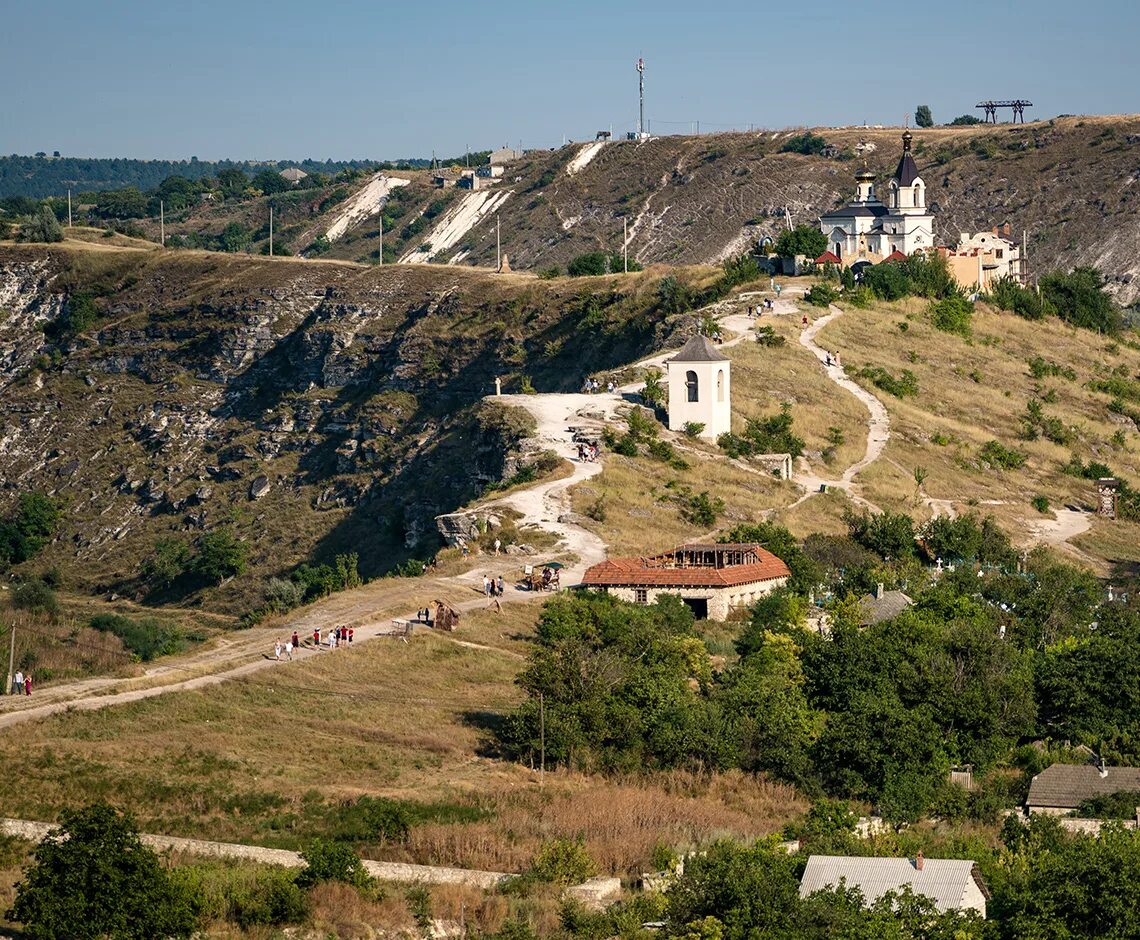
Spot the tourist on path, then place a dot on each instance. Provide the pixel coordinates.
(28, 684)
(296, 641)
(277, 650)
(289, 650)
(18, 683)
(350, 633)
(317, 638)
(500, 585)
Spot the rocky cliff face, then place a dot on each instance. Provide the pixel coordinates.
(315, 408)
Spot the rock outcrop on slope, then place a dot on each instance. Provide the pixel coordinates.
(312, 408)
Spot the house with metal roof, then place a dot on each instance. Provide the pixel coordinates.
(293, 175)
(880, 605)
(867, 231)
(952, 884)
(712, 579)
(1061, 788)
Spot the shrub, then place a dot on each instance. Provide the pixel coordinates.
(169, 560)
(220, 555)
(332, 861)
(905, 386)
(673, 296)
(701, 509)
(952, 315)
(771, 435)
(693, 428)
(1039, 368)
(821, 295)
(1005, 458)
(766, 336)
(887, 281)
(653, 393)
(804, 240)
(146, 637)
(597, 509)
(1079, 298)
(35, 596)
(1007, 294)
(807, 143)
(1041, 503)
(42, 227)
(563, 862)
(549, 274)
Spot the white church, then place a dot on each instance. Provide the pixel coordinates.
(700, 388)
(866, 230)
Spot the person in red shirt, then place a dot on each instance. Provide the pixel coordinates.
(350, 632)
(28, 684)
(317, 638)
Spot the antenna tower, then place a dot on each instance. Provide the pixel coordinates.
(641, 98)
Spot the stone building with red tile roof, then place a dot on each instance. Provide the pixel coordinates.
(713, 579)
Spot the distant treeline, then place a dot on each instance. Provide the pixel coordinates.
(41, 176)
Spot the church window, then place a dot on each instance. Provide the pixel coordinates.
(691, 383)
(720, 385)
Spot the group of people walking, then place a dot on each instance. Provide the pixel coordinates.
(587, 452)
(757, 311)
(334, 638)
(22, 684)
(493, 587)
(590, 386)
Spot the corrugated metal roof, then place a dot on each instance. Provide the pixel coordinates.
(1066, 786)
(699, 349)
(877, 609)
(943, 880)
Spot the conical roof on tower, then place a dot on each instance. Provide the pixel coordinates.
(699, 349)
(907, 171)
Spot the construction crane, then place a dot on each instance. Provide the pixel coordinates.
(1018, 106)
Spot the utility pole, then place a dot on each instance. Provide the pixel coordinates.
(541, 736)
(69, 207)
(625, 245)
(381, 238)
(498, 245)
(641, 98)
(271, 231)
(11, 660)
(161, 223)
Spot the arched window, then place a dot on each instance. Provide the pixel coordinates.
(720, 385)
(691, 382)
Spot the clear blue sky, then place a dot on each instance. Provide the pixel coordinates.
(348, 78)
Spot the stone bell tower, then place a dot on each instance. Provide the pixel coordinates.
(700, 386)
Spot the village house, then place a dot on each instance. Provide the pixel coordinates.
(984, 257)
(700, 388)
(504, 155)
(712, 579)
(952, 884)
(293, 175)
(1061, 788)
(881, 605)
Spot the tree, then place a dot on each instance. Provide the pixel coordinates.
(44, 227)
(923, 117)
(270, 182)
(332, 861)
(804, 240)
(234, 237)
(92, 878)
(126, 203)
(220, 555)
(233, 182)
(1079, 298)
(965, 120)
(167, 563)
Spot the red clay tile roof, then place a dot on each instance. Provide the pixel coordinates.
(827, 257)
(895, 255)
(633, 572)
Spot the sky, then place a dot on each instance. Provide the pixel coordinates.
(347, 79)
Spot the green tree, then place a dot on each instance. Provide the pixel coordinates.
(43, 227)
(805, 240)
(270, 182)
(126, 203)
(169, 560)
(234, 237)
(220, 555)
(1079, 298)
(965, 120)
(233, 182)
(332, 861)
(92, 878)
(923, 117)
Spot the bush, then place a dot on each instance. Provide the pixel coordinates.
(952, 315)
(43, 227)
(821, 295)
(653, 392)
(1040, 368)
(905, 386)
(26, 531)
(1041, 503)
(170, 559)
(93, 878)
(145, 637)
(220, 555)
(766, 336)
(673, 296)
(563, 862)
(332, 861)
(771, 435)
(807, 143)
(887, 281)
(997, 455)
(701, 509)
(693, 428)
(36, 597)
(1007, 294)
(1079, 298)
